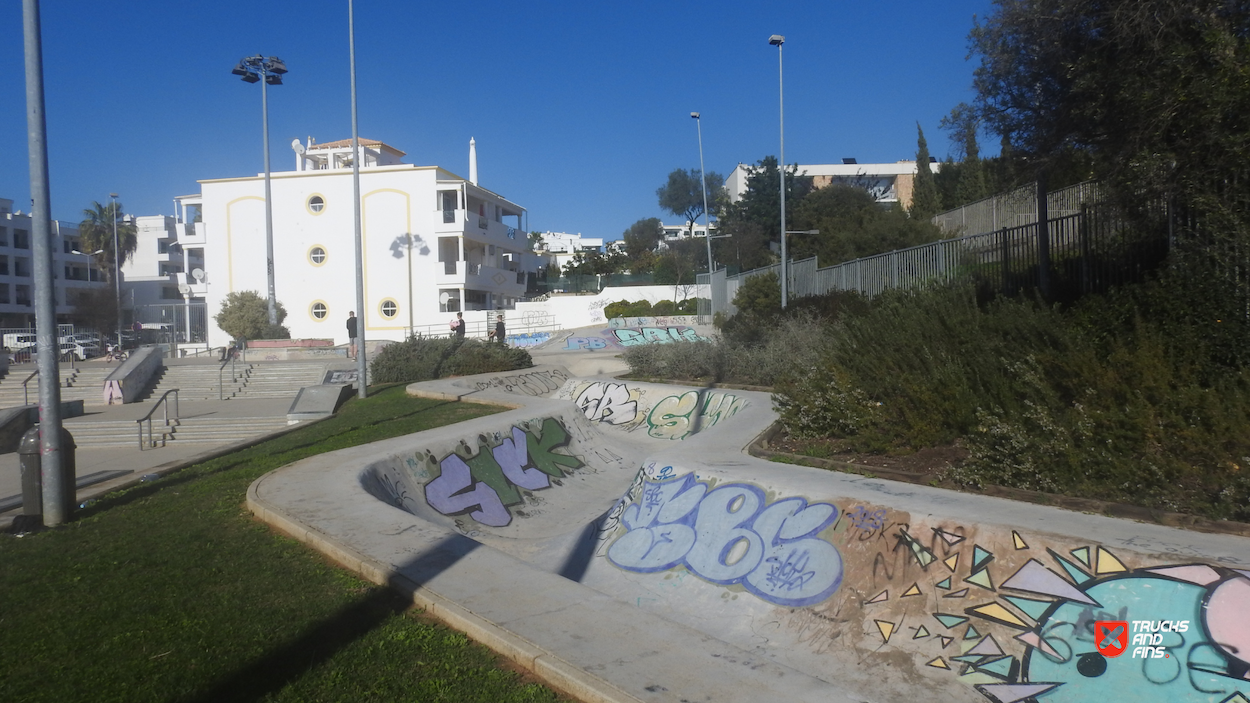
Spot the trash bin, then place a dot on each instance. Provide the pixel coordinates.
(30, 460)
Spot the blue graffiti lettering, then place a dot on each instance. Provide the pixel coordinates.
(728, 535)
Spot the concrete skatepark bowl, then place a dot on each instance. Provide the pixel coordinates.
(614, 538)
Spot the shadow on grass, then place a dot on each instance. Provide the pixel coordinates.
(318, 643)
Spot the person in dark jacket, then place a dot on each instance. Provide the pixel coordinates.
(351, 334)
(498, 334)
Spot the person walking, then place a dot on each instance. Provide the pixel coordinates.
(457, 325)
(498, 334)
(351, 335)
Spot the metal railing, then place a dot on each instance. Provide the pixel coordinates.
(26, 387)
(221, 372)
(163, 402)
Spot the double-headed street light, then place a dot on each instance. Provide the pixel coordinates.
(707, 227)
(266, 71)
(777, 40)
(88, 255)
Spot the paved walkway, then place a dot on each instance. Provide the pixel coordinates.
(103, 469)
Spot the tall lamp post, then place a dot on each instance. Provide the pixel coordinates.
(707, 227)
(777, 40)
(362, 367)
(117, 271)
(266, 71)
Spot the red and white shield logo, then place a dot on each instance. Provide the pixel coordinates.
(1111, 637)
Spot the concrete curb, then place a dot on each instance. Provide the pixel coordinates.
(553, 670)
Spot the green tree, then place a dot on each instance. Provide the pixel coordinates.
(245, 315)
(94, 308)
(643, 236)
(924, 196)
(95, 232)
(1154, 90)
(683, 194)
(754, 222)
(853, 225)
(962, 126)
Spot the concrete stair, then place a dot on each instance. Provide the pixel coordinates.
(85, 383)
(201, 381)
(125, 433)
(280, 380)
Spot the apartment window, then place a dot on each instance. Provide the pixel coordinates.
(162, 247)
(317, 255)
(169, 293)
(318, 310)
(316, 203)
(4, 294)
(449, 206)
(21, 239)
(4, 236)
(389, 309)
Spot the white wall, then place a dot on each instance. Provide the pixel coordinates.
(573, 311)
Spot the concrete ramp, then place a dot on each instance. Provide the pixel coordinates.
(614, 538)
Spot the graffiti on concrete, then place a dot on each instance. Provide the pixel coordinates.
(1013, 615)
(617, 322)
(486, 484)
(656, 335)
(534, 383)
(607, 402)
(730, 534)
(528, 339)
(678, 416)
(621, 337)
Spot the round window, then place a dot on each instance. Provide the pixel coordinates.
(318, 310)
(389, 308)
(317, 255)
(316, 204)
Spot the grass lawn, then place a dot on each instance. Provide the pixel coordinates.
(171, 591)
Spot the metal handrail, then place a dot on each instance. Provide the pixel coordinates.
(161, 403)
(25, 390)
(221, 372)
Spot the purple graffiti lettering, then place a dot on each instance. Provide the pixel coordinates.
(512, 457)
(450, 494)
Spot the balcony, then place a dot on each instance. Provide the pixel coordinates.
(482, 229)
(479, 277)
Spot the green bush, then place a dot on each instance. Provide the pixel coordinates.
(664, 307)
(424, 358)
(690, 306)
(624, 308)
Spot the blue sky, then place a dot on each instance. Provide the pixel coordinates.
(579, 109)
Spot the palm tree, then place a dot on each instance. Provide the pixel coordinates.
(96, 232)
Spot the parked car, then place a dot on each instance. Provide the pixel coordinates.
(67, 350)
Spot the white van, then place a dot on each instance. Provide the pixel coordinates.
(20, 340)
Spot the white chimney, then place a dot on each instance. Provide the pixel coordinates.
(472, 161)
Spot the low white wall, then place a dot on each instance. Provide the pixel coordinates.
(573, 311)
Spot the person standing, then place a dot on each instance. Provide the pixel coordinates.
(351, 334)
(457, 325)
(498, 334)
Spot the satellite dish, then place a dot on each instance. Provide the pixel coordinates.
(198, 274)
(184, 289)
(297, 146)
(444, 298)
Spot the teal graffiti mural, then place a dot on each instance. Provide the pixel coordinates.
(677, 416)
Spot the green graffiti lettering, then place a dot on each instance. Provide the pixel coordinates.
(542, 452)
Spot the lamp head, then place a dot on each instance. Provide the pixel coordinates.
(275, 65)
(273, 79)
(776, 40)
(695, 115)
(251, 78)
(239, 70)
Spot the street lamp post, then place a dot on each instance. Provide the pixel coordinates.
(267, 72)
(88, 256)
(707, 227)
(777, 40)
(117, 270)
(362, 367)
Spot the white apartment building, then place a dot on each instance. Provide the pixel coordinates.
(888, 183)
(156, 279)
(434, 243)
(560, 247)
(70, 271)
